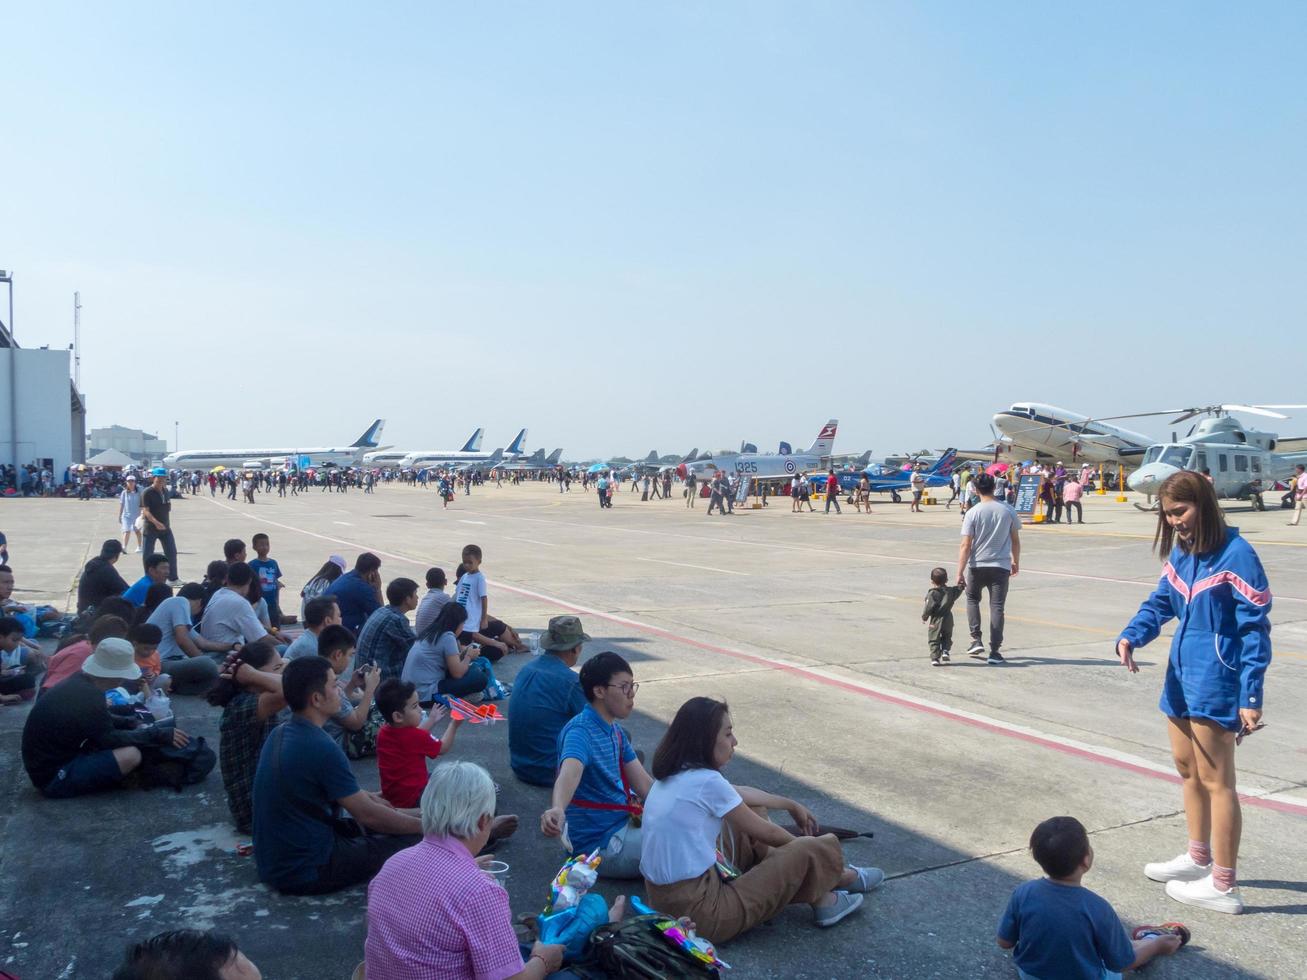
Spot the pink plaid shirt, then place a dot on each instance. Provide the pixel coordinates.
(434, 915)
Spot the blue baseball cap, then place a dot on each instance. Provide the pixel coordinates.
(158, 471)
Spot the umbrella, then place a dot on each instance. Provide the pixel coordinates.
(218, 469)
(993, 469)
(598, 468)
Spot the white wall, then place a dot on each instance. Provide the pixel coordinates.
(44, 407)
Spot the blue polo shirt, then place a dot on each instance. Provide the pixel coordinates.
(546, 695)
(301, 775)
(598, 746)
(356, 598)
(1064, 932)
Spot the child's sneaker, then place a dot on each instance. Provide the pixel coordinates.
(935, 662)
(1204, 894)
(944, 656)
(1180, 868)
(1165, 929)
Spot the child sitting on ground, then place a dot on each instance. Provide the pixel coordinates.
(145, 639)
(494, 635)
(938, 615)
(18, 668)
(405, 742)
(1061, 929)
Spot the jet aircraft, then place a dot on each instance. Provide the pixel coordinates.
(768, 465)
(470, 454)
(351, 455)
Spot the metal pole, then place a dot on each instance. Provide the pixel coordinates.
(13, 382)
(176, 437)
(77, 341)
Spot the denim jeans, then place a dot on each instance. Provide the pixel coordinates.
(996, 580)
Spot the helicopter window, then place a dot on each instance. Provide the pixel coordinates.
(1225, 462)
(1241, 464)
(1153, 454)
(1177, 456)
(1257, 464)
(1200, 461)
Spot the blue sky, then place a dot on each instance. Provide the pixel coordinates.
(635, 226)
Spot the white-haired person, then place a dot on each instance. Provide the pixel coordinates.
(433, 911)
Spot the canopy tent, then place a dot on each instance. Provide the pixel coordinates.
(111, 459)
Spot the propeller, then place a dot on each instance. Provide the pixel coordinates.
(1263, 410)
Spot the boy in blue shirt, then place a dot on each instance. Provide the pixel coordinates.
(269, 573)
(1061, 930)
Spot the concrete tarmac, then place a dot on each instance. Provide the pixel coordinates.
(809, 625)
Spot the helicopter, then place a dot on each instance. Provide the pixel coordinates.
(1241, 462)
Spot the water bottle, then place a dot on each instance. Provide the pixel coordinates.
(159, 706)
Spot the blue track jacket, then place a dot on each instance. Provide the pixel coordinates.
(1222, 647)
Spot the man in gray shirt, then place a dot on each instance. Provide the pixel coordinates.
(988, 557)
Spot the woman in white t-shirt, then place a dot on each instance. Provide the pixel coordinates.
(711, 853)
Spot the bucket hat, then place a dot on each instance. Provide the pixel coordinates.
(112, 658)
(564, 633)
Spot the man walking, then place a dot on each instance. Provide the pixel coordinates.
(988, 557)
(156, 508)
(832, 492)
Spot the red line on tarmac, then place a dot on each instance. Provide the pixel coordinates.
(1282, 806)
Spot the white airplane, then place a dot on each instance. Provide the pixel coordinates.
(469, 455)
(768, 465)
(192, 459)
(1051, 432)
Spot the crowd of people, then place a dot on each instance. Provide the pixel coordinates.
(369, 669)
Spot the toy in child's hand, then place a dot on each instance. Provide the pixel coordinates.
(573, 880)
(474, 714)
(680, 933)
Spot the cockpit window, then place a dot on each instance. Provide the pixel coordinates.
(1177, 456)
(1153, 454)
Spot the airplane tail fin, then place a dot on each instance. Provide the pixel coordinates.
(944, 465)
(691, 456)
(652, 457)
(495, 457)
(518, 445)
(537, 457)
(473, 445)
(825, 439)
(554, 457)
(371, 437)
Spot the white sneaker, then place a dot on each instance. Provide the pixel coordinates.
(1180, 868)
(1204, 894)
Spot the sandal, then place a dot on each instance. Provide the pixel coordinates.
(1165, 929)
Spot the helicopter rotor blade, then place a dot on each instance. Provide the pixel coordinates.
(1253, 410)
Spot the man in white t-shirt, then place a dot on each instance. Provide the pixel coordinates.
(918, 484)
(987, 558)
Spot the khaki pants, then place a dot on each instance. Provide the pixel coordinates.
(802, 871)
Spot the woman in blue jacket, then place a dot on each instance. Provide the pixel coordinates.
(1213, 585)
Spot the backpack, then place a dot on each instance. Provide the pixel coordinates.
(175, 768)
(636, 950)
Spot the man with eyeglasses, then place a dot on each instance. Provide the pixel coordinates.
(598, 793)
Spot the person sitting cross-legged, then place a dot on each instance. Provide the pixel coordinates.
(600, 782)
(319, 613)
(157, 570)
(187, 656)
(302, 782)
(709, 851)
(546, 696)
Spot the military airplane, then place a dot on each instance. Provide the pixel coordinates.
(767, 465)
(896, 481)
